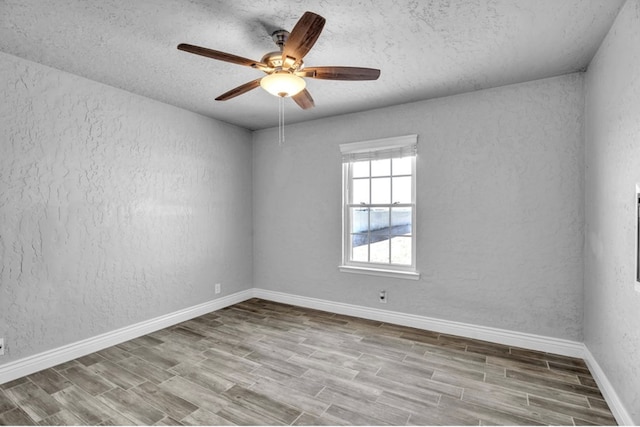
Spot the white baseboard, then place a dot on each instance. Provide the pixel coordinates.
(500, 336)
(56, 356)
(613, 400)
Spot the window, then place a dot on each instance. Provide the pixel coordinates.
(379, 207)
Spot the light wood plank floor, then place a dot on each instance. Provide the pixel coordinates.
(264, 363)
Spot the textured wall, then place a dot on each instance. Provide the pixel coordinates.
(114, 209)
(500, 202)
(612, 306)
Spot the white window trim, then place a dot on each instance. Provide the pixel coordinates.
(398, 274)
(384, 270)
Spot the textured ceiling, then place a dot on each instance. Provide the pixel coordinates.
(425, 49)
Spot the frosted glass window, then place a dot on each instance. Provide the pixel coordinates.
(380, 191)
(360, 169)
(401, 166)
(402, 189)
(360, 191)
(381, 167)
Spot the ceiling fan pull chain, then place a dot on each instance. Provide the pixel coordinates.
(281, 121)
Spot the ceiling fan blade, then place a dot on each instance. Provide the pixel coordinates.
(302, 38)
(304, 100)
(342, 73)
(305, 73)
(239, 90)
(221, 56)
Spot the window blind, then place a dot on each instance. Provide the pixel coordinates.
(387, 148)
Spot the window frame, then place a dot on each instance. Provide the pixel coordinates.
(386, 148)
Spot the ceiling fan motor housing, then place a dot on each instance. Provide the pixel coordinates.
(274, 59)
(280, 37)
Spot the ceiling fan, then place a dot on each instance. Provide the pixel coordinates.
(285, 68)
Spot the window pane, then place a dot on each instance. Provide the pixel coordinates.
(381, 167)
(379, 235)
(379, 221)
(360, 191)
(380, 252)
(359, 239)
(400, 221)
(381, 190)
(359, 248)
(402, 189)
(359, 220)
(402, 166)
(401, 250)
(360, 169)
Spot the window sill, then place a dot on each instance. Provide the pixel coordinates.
(398, 274)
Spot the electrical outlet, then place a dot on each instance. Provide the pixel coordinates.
(383, 297)
(218, 288)
(1, 346)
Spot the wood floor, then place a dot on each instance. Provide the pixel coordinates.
(264, 363)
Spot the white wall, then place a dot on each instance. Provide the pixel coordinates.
(612, 306)
(500, 199)
(114, 209)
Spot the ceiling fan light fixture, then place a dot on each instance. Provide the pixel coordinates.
(283, 83)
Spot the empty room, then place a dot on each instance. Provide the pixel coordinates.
(218, 212)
